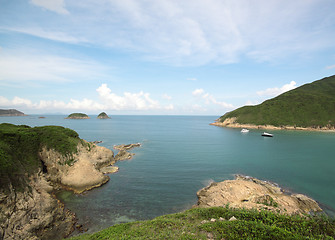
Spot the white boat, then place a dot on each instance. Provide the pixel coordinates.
(265, 134)
(244, 130)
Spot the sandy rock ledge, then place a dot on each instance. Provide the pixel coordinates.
(251, 193)
(81, 172)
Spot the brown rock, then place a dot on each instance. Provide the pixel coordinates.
(247, 192)
(34, 213)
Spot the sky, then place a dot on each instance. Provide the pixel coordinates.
(165, 57)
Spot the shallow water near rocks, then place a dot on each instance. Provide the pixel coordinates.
(182, 154)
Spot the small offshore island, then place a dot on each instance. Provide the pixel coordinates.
(11, 113)
(34, 162)
(77, 116)
(309, 107)
(103, 115)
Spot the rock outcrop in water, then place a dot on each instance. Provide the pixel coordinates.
(123, 153)
(248, 192)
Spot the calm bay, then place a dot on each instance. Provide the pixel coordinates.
(182, 154)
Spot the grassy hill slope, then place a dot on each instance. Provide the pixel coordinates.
(199, 223)
(20, 145)
(311, 105)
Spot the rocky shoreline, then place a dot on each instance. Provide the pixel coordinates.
(35, 212)
(231, 123)
(251, 193)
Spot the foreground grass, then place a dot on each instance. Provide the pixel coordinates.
(197, 224)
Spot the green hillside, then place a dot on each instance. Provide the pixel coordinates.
(213, 223)
(311, 105)
(20, 145)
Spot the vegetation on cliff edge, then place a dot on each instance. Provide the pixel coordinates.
(199, 223)
(20, 145)
(311, 105)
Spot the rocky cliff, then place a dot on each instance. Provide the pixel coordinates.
(33, 212)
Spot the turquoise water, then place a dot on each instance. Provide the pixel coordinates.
(181, 154)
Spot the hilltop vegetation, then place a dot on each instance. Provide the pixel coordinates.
(213, 223)
(20, 145)
(311, 105)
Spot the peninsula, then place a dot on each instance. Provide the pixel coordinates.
(309, 107)
(10, 113)
(33, 163)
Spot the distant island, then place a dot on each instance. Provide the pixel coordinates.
(77, 116)
(309, 107)
(10, 113)
(103, 115)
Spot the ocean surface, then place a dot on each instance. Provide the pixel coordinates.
(182, 154)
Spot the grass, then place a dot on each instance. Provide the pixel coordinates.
(20, 145)
(311, 105)
(196, 224)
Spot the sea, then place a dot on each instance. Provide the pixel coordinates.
(180, 155)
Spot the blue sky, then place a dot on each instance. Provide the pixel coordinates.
(189, 57)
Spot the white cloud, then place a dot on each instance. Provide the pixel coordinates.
(129, 101)
(60, 36)
(330, 67)
(84, 104)
(166, 96)
(109, 101)
(169, 107)
(251, 103)
(209, 99)
(276, 90)
(198, 92)
(57, 6)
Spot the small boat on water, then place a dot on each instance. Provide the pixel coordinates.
(244, 130)
(265, 134)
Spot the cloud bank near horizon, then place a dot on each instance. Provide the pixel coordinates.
(140, 101)
(108, 101)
